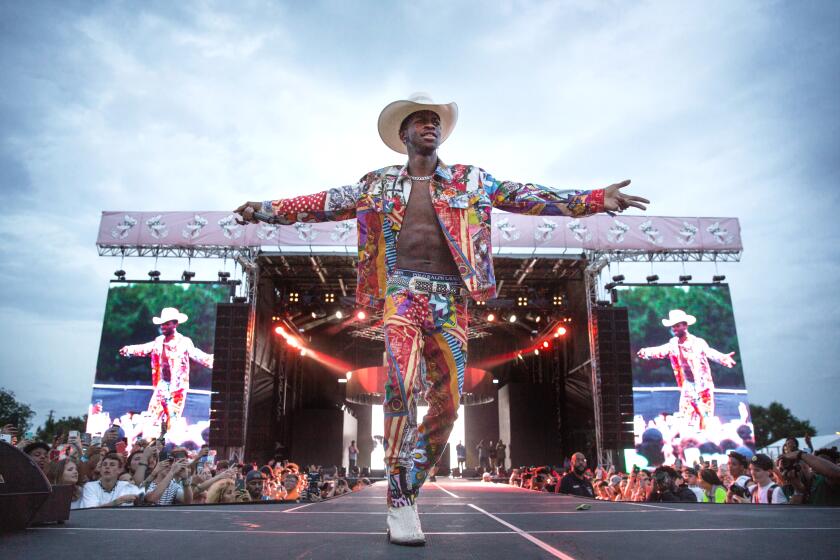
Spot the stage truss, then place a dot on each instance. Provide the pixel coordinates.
(253, 257)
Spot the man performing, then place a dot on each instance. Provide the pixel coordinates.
(690, 361)
(424, 250)
(171, 354)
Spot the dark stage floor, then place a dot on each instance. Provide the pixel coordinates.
(461, 520)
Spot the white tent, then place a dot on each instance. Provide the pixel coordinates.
(819, 442)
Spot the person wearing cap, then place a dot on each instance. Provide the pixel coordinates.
(739, 469)
(254, 484)
(170, 353)
(424, 250)
(39, 452)
(765, 491)
(665, 488)
(689, 356)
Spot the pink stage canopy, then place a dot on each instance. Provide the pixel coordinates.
(599, 233)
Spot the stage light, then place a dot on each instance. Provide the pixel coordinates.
(481, 303)
(519, 356)
(240, 299)
(537, 319)
(560, 332)
(536, 352)
(557, 300)
(224, 277)
(495, 382)
(294, 297)
(349, 375)
(342, 380)
(292, 342)
(512, 318)
(618, 278)
(685, 278)
(610, 286)
(718, 278)
(522, 301)
(339, 314)
(329, 298)
(120, 274)
(361, 315)
(187, 275)
(652, 278)
(546, 344)
(303, 352)
(154, 275)
(313, 315)
(603, 303)
(490, 317)
(280, 330)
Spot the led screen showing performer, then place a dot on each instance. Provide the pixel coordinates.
(689, 396)
(155, 361)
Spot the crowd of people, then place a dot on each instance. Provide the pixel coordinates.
(797, 476)
(105, 474)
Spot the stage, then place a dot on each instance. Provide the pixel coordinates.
(460, 519)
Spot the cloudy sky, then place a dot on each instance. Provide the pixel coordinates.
(712, 108)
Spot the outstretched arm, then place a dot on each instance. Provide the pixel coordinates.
(137, 349)
(530, 198)
(654, 352)
(330, 205)
(200, 356)
(720, 357)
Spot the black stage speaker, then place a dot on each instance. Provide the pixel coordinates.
(230, 366)
(23, 488)
(612, 336)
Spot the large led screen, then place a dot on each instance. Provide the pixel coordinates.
(155, 361)
(689, 396)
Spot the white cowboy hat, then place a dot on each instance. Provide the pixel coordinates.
(169, 314)
(678, 316)
(395, 113)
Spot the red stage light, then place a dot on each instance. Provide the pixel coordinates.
(561, 331)
(292, 342)
(279, 329)
(361, 315)
(546, 344)
(490, 317)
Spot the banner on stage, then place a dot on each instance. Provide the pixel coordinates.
(689, 395)
(155, 363)
(510, 231)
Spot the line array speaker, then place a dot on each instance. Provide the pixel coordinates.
(612, 334)
(230, 367)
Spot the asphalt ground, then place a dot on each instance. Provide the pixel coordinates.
(460, 519)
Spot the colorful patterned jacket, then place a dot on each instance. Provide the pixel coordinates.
(696, 352)
(179, 351)
(462, 196)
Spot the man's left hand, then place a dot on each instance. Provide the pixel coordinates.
(616, 201)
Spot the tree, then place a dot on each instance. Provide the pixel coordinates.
(775, 422)
(62, 426)
(14, 412)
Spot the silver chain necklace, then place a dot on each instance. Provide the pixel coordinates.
(423, 178)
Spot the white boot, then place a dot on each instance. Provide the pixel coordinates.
(404, 526)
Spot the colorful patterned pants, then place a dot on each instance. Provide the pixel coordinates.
(167, 402)
(696, 407)
(426, 342)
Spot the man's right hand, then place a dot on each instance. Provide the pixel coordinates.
(246, 211)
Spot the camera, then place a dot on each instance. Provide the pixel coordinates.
(740, 491)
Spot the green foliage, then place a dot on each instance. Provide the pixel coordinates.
(775, 422)
(648, 305)
(62, 426)
(128, 320)
(14, 412)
